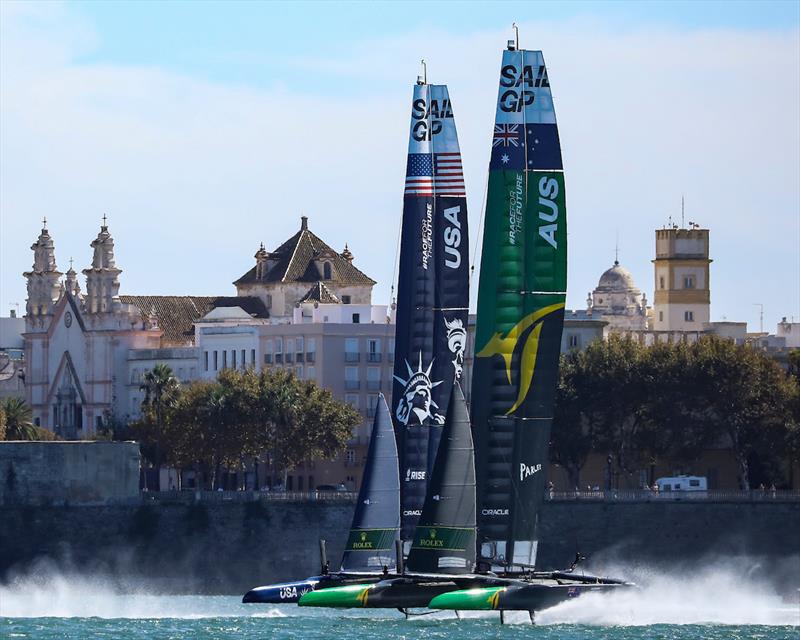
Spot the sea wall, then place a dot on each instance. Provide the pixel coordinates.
(75, 473)
(230, 547)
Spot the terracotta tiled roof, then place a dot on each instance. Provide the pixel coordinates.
(176, 314)
(320, 293)
(293, 261)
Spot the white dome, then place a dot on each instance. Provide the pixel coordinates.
(615, 279)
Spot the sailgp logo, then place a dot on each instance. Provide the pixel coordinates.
(526, 471)
(416, 399)
(531, 328)
(456, 342)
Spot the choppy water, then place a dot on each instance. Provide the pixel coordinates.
(711, 605)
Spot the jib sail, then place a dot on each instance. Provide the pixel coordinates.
(376, 521)
(444, 541)
(521, 299)
(433, 292)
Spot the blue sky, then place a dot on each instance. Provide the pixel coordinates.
(204, 128)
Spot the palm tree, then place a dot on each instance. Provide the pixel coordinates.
(160, 388)
(19, 420)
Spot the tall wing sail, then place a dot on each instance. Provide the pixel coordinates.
(521, 299)
(376, 521)
(444, 541)
(433, 293)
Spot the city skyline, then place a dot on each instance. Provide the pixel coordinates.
(198, 154)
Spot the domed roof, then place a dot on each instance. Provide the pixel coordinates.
(616, 278)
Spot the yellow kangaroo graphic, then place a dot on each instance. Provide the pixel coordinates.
(505, 346)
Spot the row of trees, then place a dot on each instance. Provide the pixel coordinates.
(242, 415)
(670, 402)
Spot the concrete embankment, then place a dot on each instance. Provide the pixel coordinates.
(228, 547)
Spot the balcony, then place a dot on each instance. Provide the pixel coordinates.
(373, 357)
(373, 385)
(311, 356)
(352, 385)
(352, 356)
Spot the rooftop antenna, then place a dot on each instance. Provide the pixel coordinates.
(616, 250)
(683, 226)
(513, 45)
(760, 316)
(422, 78)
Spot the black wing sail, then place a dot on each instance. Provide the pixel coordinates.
(433, 293)
(376, 521)
(444, 541)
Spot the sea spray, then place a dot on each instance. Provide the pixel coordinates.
(712, 593)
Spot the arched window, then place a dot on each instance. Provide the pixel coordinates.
(326, 271)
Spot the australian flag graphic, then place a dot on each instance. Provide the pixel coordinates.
(508, 147)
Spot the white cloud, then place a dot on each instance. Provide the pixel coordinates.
(193, 174)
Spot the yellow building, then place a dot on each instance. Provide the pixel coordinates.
(682, 300)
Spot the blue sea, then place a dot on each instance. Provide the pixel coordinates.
(713, 605)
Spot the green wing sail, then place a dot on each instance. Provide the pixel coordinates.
(521, 300)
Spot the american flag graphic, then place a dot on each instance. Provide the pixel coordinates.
(441, 175)
(505, 135)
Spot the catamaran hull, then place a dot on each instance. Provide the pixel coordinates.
(533, 597)
(402, 595)
(288, 592)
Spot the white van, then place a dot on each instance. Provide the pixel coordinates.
(682, 483)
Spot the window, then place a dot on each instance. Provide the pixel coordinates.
(225, 359)
(311, 353)
(244, 352)
(268, 300)
(351, 378)
(233, 358)
(300, 483)
(298, 371)
(661, 316)
(351, 399)
(373, 378)
(574, 341)
(252, 357)
(289, 350)
(216, 361)
(326, 271)
(351, 350)
(356, 318)
(688, 316)
(688, 282)
(345, 299)
(205, 360)
(299, 346)
(311, 373)
(278, 350)
(661, 282)
(372, 405)
(350, 457)
(374, 350)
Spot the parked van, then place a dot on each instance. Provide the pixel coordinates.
(682, 483)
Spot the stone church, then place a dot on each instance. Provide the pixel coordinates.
(79, 344)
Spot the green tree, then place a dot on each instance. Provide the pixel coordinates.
(2, 423)
(748, 401)
(573, 436)
(19, 420)
(160, 387)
